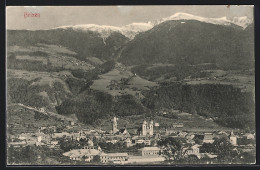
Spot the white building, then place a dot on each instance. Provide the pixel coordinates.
(208, 138)
(150, 151)
(233, 139)
(146, 129)
(79, 154)
(116, 158)
(193, 150)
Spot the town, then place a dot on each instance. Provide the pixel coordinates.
(151, 143)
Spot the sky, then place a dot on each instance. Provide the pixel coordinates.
(55, 16)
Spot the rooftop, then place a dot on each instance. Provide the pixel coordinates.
(114, 154)
(149, 148)
(81, 152)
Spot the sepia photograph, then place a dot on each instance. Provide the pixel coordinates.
(130, 85)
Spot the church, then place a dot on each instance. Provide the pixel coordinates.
(146, 129)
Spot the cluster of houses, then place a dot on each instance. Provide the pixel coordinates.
(149, 133)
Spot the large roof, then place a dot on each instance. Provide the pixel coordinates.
(149, 148)
(114, 154)
(81, 152)
(208, 137)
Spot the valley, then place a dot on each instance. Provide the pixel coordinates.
(95, 72)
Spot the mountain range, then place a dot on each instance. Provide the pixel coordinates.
(130, 68)
(133, 29)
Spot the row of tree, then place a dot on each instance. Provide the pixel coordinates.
(174, 151)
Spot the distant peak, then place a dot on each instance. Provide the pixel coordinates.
(132, 29)
(185, 16)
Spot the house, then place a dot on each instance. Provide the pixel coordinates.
(116, 158)
(149, 151)
(17, 144)
(233, 138)
(190, 136)
(123, 133)
(72, 123)
(60, 135)
(181, 133)
(177, 125)
(42, 109)
(145, 141)
(82, 154)
(193, 150)
(54, 142)
(208, 138)
(90, 143)
(128, 142)
(140, 140)
(191, 141)
(249, 136)
(112, 141)
(22, 136)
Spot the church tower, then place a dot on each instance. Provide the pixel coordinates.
(151, 128)
(114, 125)
(144, 126)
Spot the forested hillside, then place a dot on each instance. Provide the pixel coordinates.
(192, 42)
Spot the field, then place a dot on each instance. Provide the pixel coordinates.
(54, 55)
(244, 80)
(134, 83)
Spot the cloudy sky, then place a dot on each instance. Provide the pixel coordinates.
(54, 16)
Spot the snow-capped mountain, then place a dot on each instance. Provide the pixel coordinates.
(133, 29)
(242, 21)
(185, 16)
(105, 30)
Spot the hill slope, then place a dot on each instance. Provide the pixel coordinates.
(191, 42)
(84, 43)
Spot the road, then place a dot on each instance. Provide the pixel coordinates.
(47, 113)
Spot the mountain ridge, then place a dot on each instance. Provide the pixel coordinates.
(131, 30)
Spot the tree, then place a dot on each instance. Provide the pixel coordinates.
(206, 148)
(96, 159)
(11, 155)
(172, 148)
(222, 147)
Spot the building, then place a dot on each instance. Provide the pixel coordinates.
(193, 150)
(144, 141)
(123, 133)
(208, 138)
(60, 135)
(17, 144)
(114, 125)
(177, 125)
(149, 151)
(146, 129)
(116, 158)
(249, 136)
(82, 154)
(128, 142)
(90, 143)
(190, 136)
(233, 138)
(72, 123)
(42, 109)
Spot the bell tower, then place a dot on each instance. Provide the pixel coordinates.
(151, 128)
(144, 126)
(114, 125)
